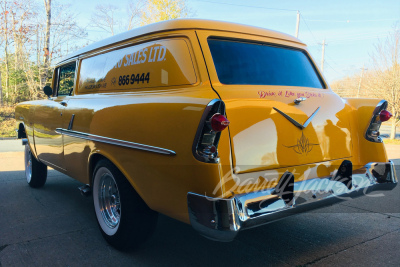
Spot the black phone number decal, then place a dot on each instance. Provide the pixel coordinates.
(131, 79)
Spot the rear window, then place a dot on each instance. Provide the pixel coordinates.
(239, 62)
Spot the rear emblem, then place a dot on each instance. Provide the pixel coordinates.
(297, 124)
(303, 145)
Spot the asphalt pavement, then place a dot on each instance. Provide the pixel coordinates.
(56, 226)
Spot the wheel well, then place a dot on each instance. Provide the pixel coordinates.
(94, 159)
(21, 131)
(92, 164)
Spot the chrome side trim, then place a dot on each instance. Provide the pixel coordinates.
(52, 165)
(221, 219)
(116, 142)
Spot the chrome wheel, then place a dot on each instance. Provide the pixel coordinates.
(124, 219)
(107, 201)
(28, 163)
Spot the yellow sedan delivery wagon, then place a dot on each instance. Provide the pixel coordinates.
(219, 125)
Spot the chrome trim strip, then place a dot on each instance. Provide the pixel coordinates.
(297, 124)
(116, 142)
(51, 165)
(290, 119)
(221, 219)
(310, 118)
(71, 122)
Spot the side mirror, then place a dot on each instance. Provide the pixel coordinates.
(48, 91)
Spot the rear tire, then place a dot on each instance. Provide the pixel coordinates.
(124, 219)
(35, 171)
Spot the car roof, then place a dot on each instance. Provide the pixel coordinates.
(180, 24)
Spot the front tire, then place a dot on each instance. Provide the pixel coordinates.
(35, 171)
(124, 219)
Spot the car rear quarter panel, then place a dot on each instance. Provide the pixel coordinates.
(167, 120)
(364, 151)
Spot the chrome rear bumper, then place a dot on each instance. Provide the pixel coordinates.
(221, 219)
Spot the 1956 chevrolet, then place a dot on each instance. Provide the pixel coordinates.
(219, 125)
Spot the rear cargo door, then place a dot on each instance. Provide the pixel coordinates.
(280, 109)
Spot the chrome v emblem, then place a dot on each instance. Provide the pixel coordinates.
(297, 124)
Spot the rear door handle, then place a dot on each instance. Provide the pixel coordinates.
(63, 103)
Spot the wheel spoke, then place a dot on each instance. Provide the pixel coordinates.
(109, 200)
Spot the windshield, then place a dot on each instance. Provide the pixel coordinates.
(239, 62)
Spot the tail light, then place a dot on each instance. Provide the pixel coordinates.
(385, 115)
(379, 115)
(218, 122)
(212, 123)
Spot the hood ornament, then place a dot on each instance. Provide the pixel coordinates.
(297, 124)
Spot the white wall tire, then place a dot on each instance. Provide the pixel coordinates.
(35, 171)
(124, 219)
(107, 203)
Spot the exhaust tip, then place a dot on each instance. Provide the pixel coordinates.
(85, 190)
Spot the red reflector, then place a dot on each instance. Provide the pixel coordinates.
(385, 115)
(213, 149)
(219, 122)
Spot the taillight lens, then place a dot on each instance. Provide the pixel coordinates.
(212, 123)
(219, 122)
(384, 115)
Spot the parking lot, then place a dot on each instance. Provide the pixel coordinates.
(56, 226)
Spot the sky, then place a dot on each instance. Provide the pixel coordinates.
(350, 28)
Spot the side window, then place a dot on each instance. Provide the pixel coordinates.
(66, 79)
(154, 64)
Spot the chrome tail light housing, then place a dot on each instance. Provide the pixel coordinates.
(212, 123)
(379, 115)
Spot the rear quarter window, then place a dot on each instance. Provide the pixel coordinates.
(153, 64)
(240, 62)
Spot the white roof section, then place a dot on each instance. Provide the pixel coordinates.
(180, 24)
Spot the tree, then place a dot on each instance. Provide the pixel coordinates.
(159, 10)
(104, 18)
(5, 33)
(30, 38)
(386, 79)
(134, 11)
(46, 49)
(138, 12)
(47, 6)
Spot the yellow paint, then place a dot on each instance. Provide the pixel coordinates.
(256, 149)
